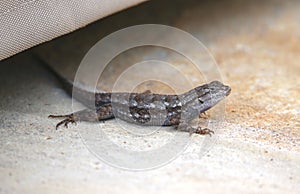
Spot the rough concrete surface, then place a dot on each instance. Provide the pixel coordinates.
(255, 148)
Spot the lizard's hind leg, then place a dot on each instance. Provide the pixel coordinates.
(103, 112)
(70, 118)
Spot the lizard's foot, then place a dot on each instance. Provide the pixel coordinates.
(203, 131)
(197, 130)
(69, 119)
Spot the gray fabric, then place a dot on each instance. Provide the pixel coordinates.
(26, 23)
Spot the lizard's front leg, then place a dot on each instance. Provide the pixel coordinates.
(185, 126)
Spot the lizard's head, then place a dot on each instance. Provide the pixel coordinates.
(212, 93)
(218, 89)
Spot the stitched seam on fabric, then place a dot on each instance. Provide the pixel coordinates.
(17, 7)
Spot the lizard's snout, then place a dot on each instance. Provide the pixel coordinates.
(228, 90)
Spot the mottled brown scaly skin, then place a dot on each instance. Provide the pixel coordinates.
(148, 108)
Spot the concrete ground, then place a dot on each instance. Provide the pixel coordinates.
(256, 146)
